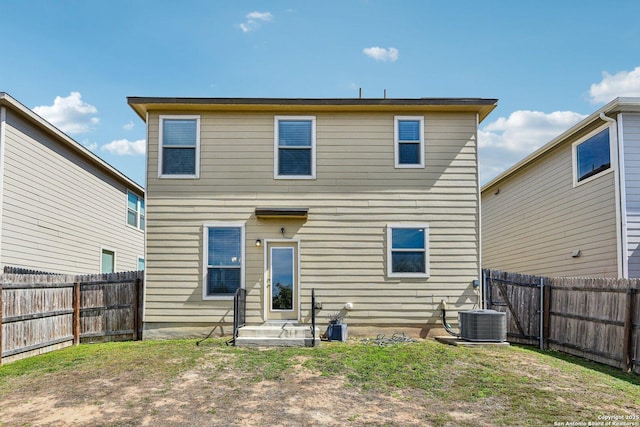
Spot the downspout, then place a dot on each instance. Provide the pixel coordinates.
(480, 289)
(621, 205)
(146, 186)
(3, 140)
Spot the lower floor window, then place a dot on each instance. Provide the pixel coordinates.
(408, 250)
(108, 261)
(224, 255)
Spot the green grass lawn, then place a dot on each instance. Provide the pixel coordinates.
(507, 386)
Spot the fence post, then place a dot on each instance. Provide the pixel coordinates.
(484, 288)
(136, 309)
(547, 316)
(488, 298)
(542, 313)
(76, 313)
(0, 322)
(627, 357)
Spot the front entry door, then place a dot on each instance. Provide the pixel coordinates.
(282, 281)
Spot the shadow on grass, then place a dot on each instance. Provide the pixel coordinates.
(630, 377)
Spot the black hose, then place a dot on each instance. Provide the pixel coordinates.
(447, 327)
(210, 333)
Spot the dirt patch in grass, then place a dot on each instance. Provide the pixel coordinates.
(219, 386)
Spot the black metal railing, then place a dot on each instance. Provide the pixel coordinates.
(239, 312)
(313, 317)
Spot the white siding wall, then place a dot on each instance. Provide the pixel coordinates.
(59, 209)
(631, 138)
(538, 219)
(356, 194)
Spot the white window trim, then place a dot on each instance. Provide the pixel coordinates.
(140, 257)
(574, 155)
(427, 268)
(276, 157)
(197, 168)
(126, 217)
(397, 142)
(115, 258)
(205, 261)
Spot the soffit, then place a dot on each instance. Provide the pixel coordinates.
(483, 107)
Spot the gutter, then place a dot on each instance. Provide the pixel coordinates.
(7, 101)
(618, 104)
(621, 200)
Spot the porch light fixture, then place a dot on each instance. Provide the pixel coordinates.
(258, 242)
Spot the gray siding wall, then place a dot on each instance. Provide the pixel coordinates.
(538, 219)
(60, 209)
(631, 138)
(342, 243)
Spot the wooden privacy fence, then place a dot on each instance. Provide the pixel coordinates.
(595, 318)
(44, 312)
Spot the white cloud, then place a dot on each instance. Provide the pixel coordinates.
(70, 114)
(623, 83)
(128, 126)
(124, 147)
(381, 54)
(254, 19)
(505, 141)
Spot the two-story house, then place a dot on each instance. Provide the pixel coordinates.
(571, 208)
(374, 203)
(62, 208)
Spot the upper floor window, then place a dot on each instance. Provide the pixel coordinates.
(179, 154)
(135, 210)
(408, 250)
(409, 141)
(295, 147)
(592, 156)
(224, 260)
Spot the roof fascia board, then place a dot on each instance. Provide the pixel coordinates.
(482, 106)
(10, 102)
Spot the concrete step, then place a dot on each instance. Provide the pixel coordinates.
(276, 335)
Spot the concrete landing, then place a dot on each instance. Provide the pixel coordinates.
(277, 335)
(462, 343)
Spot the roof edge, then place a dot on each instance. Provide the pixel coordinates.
(140, 104)
(616, 105)
(34, 118)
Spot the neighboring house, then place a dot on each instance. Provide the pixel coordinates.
(64, 210)
(372, 202)
(572, 208)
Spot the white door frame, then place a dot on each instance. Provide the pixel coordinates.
(265, 280)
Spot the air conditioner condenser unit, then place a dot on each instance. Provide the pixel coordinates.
(483, 325)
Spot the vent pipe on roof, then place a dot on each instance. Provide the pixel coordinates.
(385, 94)
(360, 93)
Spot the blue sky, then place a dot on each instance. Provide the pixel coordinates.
(550, 63)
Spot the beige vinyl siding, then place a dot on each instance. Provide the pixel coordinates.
(538, 219)
(631, 147)
(60, 209)
(343, 242)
